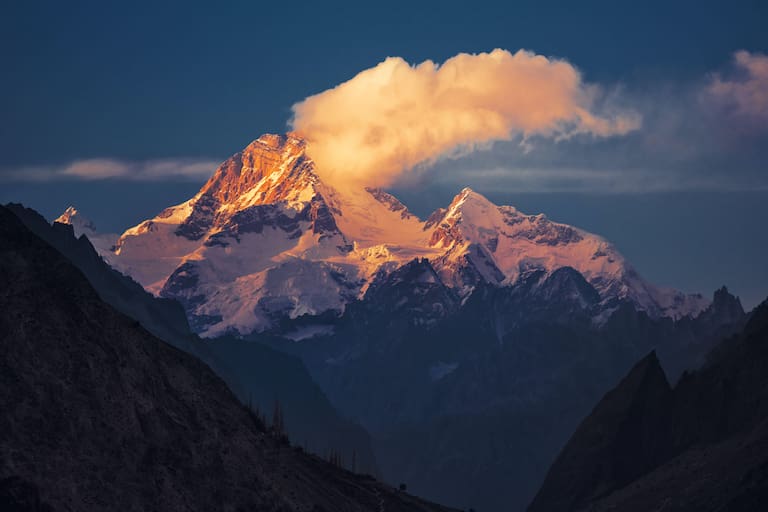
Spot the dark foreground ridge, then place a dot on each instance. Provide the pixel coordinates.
(258, 375)
(98, 414)
(700, 446)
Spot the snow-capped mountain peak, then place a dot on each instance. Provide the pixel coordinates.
(483, 241)
(265, 238)
(270, 169)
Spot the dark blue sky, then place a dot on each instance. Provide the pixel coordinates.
(137, 80)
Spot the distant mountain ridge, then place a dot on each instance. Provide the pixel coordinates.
(266, 239)
(494, 381)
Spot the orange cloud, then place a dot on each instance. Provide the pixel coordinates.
(393, 117)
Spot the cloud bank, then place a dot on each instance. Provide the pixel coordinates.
(109, 168)
(394, 117)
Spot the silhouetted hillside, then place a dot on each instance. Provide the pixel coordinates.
(98, 414)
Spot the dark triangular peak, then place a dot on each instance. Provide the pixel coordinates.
(616, 443)
(701, 446)
(567, 283)
(725, 309)
(723, 300)
(562, 284)
(539, 297)
(415, 288)
(416, 273)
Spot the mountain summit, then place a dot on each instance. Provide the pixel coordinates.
(266, 239)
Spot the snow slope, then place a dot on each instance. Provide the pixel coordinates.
(501, 243)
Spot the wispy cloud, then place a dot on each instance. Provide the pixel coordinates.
(744, 91)
(531, 180)
(109, 168)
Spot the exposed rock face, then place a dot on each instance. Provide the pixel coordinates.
(390, 201)
(700, 446)
(99, 414)
(271, 169)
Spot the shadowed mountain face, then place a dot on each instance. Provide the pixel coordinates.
(702, 445)
(99, 414)
(259, 375)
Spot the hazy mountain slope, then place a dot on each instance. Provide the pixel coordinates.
(270, 376)
(253, 371)
(98, 413)
(702, 445)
